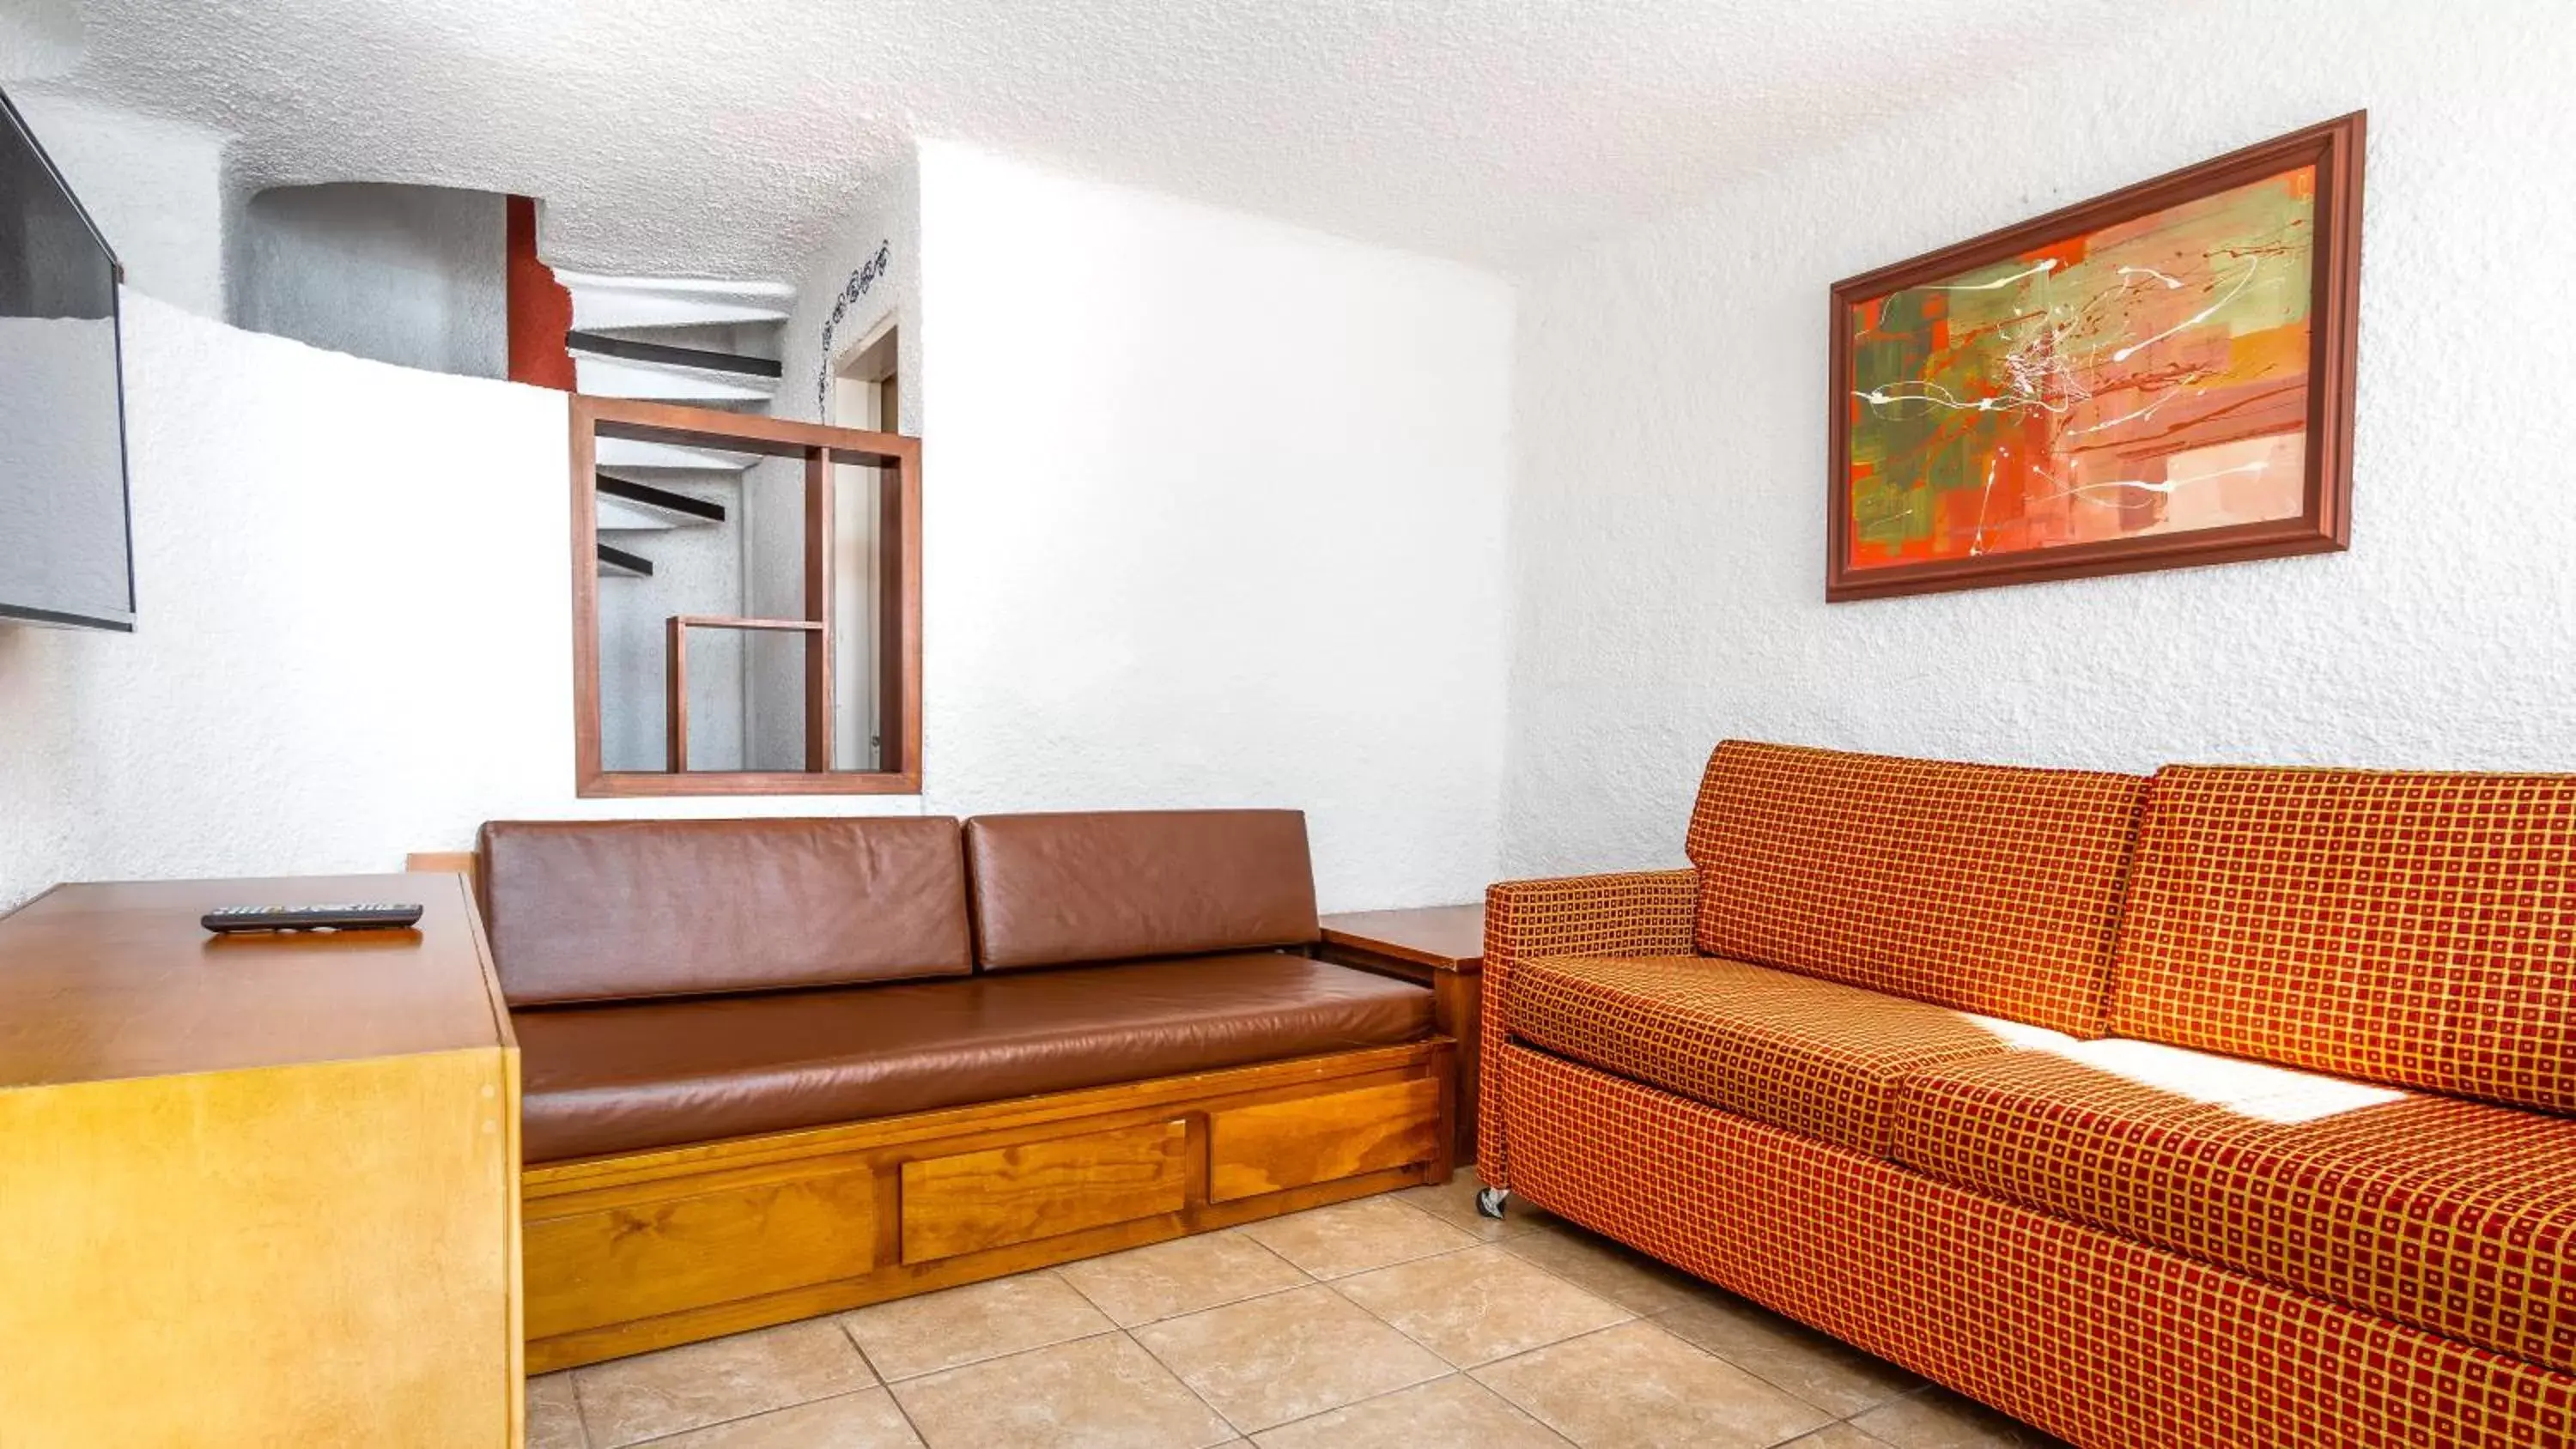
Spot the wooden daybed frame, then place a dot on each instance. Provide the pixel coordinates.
(629, 1252)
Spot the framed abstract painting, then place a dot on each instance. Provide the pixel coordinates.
(2154, 378)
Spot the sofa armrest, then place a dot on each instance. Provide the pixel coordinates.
(1630, 913)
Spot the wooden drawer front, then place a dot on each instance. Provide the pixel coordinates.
(979, 1200)
(624, 1263)
(1253, 1150)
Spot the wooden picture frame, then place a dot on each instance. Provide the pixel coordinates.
(1876, 556)
(898, 612)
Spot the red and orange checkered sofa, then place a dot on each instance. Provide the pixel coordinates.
(2223, 1108)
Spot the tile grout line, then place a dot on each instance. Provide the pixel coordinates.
(1103, 1310)
(877, 1381)
(1657, 1319)
(1229, 1303)
(1633, 1315)
(1187, 1387)
(1128, 1331)
(1112, 1331)
(1525, 1408)
(743, 1418)
(1544, 1347)
(839, 1321)
(1711, 1353)
(1085, 1297)
(994, 1358)
(1307, 1279)
(1454, 1373)
(1405, 1262)
(1333, 1285)
(1468, 1371)
(1312, 1281)
(843, 1320)
(580, 1417)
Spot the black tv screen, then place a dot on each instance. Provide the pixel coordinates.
(66, 549)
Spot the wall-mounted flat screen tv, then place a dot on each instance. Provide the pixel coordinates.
(66, 549)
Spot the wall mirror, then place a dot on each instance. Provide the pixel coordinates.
(746, 604)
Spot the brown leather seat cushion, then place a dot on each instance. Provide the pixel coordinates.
(627, 1076)
(1114, 885)
(613, 910)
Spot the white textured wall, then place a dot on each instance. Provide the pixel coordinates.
(407, 274)
(842, 298)
(355, 631)
(769, 698)
(1668, 515)
(337, 566)
(697, 569)
(823, 325)
(1213, 517)
(155, 188)
(39, 38)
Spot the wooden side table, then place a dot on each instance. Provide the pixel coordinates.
(1443, 947)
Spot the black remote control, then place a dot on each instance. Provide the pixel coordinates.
(374, 916)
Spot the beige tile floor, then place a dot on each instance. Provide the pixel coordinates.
(1402, 1320)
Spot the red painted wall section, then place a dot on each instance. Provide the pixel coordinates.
(540, 308)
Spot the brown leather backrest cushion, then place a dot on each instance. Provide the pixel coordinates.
(610, 910)
(1113, 885)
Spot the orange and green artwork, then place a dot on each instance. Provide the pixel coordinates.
(2149, 377)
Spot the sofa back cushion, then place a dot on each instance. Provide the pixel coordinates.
(2410, 928)
(1987, 888)
(613, 910)
(1115, 885)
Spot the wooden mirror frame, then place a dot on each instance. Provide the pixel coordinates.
(898, 654)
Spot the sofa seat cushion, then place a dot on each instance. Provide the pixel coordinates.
(623, 1077)
(1812, 1056)
(2454, 1216)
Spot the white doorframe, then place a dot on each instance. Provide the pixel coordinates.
(857, 394)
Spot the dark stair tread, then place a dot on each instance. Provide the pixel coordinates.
(600, 344)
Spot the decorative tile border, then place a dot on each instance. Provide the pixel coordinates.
(861, 282)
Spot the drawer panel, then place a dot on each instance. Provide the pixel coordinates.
(978, 1200)
(1253, 1150)
(635, 1261)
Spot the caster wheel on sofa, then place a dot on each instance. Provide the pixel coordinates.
(1490, 1200)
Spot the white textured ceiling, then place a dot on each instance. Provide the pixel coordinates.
(724, 137)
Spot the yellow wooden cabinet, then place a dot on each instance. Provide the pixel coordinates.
(258, 1190)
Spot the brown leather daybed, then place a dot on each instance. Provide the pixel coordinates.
(772, 1068)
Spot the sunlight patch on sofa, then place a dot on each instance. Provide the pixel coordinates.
(2248, 1089)
(2021, 1034)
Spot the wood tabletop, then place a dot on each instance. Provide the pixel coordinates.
(1447, 938)
(107, 981)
